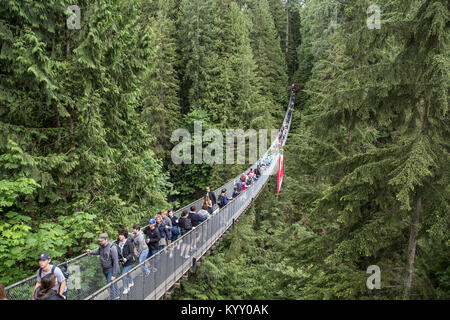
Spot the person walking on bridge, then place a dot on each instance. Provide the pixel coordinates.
(46, 268)
(235, 193)
(141, 247)
(153, 237)
(223, 199)
(163, 231)
(196, 219)
(169, 225)
(45, 290)
(109, 261)
(127, 258)
(185, 226)
(212, 196)
(203, 212)
(175, 228)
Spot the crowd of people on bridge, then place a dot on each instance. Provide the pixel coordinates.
(119, 256)
(130, 248)
(161, 231)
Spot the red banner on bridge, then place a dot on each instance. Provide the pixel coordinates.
(280, 172)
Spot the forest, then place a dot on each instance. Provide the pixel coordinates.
(87, 112)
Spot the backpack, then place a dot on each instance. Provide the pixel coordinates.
(113, 243)
(62, 267)
(136, 246)
(221, 204)
(187, 224)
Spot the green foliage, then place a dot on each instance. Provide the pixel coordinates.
(13, 186)
(367, 163)
(86, 116)
(76, 155)
(269, 58)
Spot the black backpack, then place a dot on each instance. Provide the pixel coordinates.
(113, 244)
(221, 201)
(187, 224)
(62, 267)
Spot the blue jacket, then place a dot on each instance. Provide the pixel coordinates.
(163, 231)
(223, 200)
(174, 221)
(196, 219)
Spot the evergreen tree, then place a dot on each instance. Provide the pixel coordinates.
(197, 40)
(70, 130)
(161, 109)
(269, 58)
(380, 144)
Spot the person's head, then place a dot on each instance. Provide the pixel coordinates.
(44, 260)
(193, 208)
(103, 239)
(136, 228)
(205, 206)
(185, 213)
(164, 213)
(158, 219)
(171, 213)
(2, 292)
(208, 189)
(47, 283)
(224, 191)
(123, 234)
(152, 223)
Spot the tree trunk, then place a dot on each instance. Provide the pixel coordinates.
(287, 34)
(67, 44)
(412, 248)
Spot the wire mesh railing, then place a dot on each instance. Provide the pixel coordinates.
(86, 279)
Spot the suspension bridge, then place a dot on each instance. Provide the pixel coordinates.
(175, 261)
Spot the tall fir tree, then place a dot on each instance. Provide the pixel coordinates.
(161, 109)
(378, 144)
(269, 58)
(70, 128)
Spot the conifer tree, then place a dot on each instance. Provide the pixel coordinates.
(379, 118)
(197, 41)
(268, 57)
(69, 109)
(161, 109)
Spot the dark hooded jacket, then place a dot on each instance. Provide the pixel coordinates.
(127, 252)
(154, 237)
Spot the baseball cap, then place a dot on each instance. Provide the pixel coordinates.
(103, 236)
(44, 256)
(152, 221)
